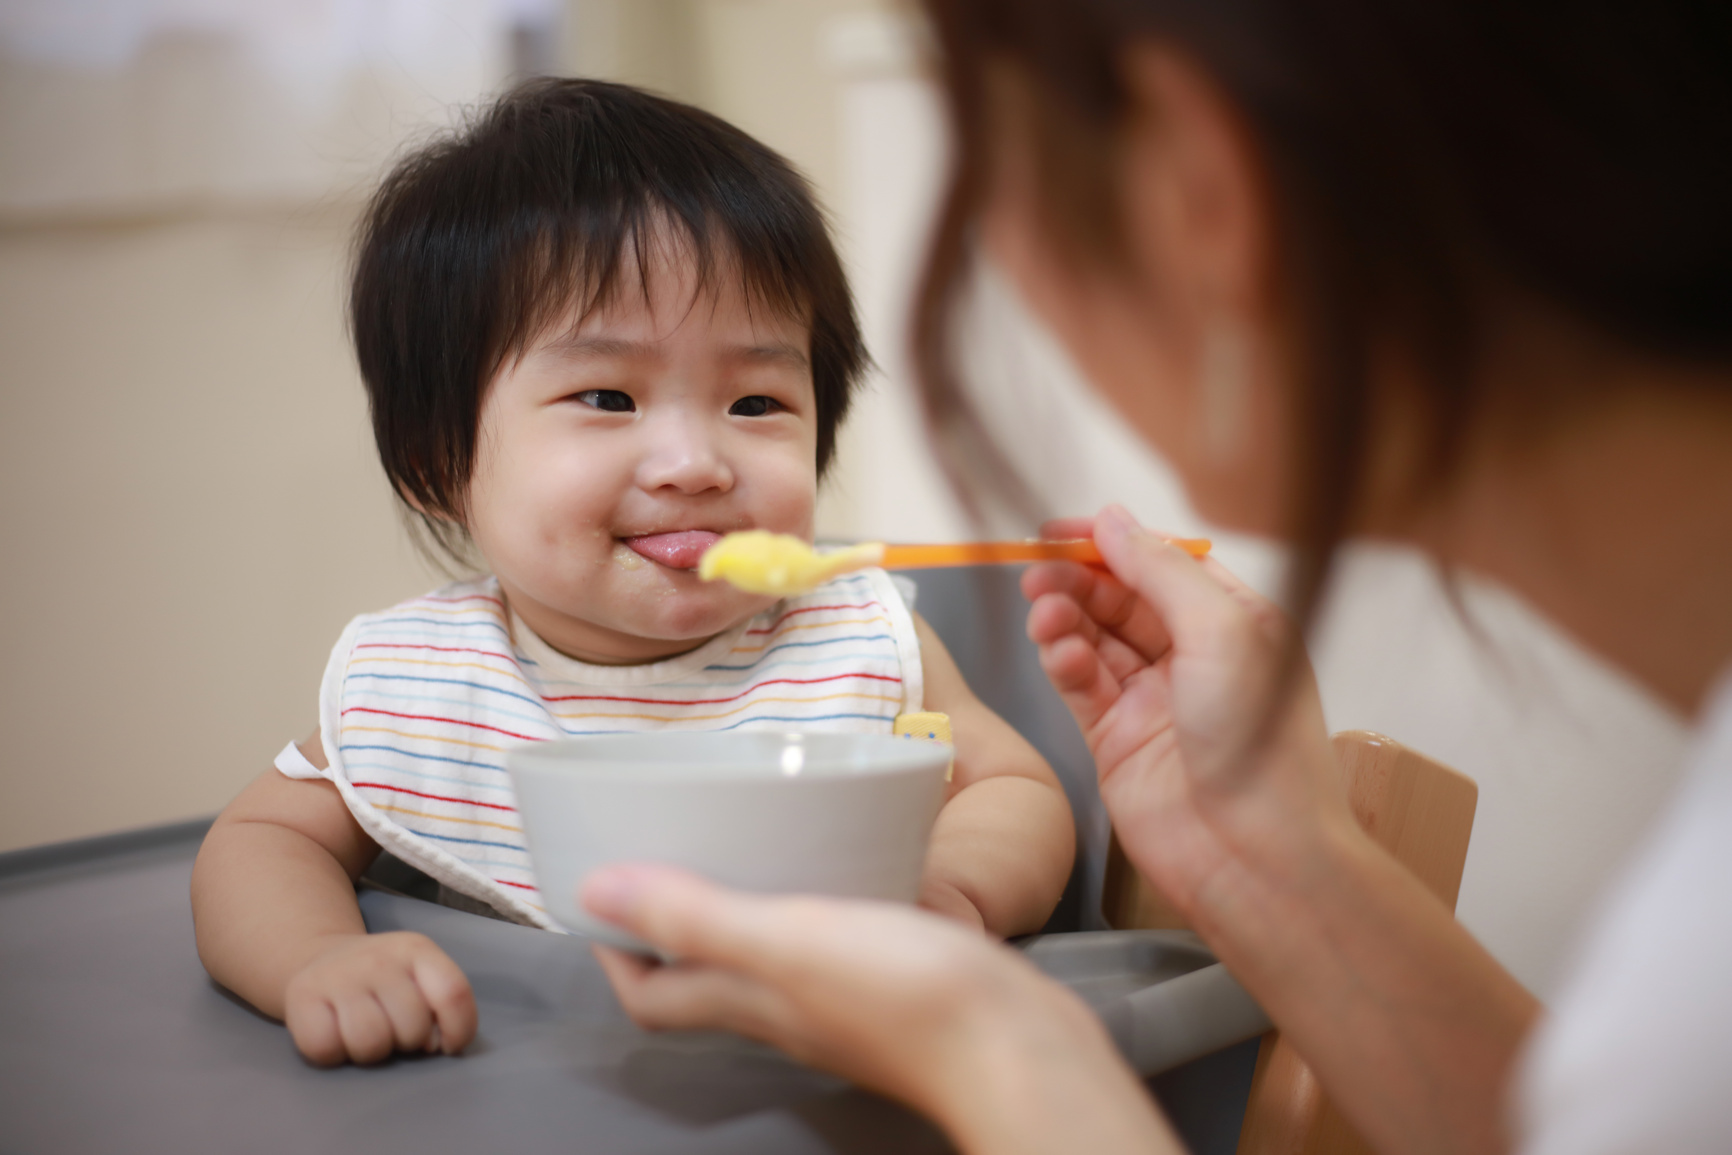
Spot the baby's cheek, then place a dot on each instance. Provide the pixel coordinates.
(793, 504)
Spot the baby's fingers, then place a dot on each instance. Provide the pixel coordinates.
(450, 999)
(368, 1036)
(312, 1023)
(407, 1010)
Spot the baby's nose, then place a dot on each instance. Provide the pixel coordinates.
(686, 461)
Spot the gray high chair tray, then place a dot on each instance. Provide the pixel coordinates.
(113, 1039)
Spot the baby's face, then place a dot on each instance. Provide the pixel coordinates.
(610, 456)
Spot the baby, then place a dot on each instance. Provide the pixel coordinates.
(598, 329)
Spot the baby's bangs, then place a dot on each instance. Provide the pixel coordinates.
(579, 265)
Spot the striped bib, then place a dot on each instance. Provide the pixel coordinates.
(420, 701)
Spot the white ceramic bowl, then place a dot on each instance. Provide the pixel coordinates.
(836, 814)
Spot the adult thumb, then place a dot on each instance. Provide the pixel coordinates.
(1177, 588)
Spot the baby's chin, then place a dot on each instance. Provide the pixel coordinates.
(688, 610)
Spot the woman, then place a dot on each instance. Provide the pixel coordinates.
(1457, 274)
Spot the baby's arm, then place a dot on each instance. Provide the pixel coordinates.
(1003, 846)
(273, 904)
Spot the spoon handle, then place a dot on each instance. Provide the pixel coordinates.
(1011, 552)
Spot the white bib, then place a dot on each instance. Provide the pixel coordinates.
(420, 701)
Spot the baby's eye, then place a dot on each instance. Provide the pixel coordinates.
(608, 400)
(756, 405)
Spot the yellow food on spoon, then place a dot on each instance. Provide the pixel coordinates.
(778, 564)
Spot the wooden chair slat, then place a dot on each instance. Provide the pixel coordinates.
(1419, 810)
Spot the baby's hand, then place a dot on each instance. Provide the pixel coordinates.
(364, 996)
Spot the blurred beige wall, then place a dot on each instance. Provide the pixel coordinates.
(188, 492)
(191, 509)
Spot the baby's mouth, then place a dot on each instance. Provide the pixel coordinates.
(678, 550)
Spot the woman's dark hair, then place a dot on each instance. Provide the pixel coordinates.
(1426, 159)
(546, 203)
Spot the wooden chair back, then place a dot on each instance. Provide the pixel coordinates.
(1420, 811)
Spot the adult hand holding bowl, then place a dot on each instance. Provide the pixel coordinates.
(845, 815)
(903, 1001)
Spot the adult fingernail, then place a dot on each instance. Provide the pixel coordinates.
(610, 893)
(1117, 519)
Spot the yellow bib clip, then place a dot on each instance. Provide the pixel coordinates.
(928, 726)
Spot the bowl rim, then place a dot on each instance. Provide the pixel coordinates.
(896, 755)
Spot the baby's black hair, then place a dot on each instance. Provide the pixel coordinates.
(474, 244)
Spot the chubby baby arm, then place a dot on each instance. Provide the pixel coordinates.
(273, 899)
(1004, 842)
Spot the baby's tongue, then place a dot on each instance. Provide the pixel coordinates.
(675, 550)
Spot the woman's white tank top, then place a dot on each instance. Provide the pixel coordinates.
(420, 701)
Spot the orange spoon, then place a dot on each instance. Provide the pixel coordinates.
(761, 562)
(1012, 552)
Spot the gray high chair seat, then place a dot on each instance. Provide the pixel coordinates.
(112, 1038)
(979, 612)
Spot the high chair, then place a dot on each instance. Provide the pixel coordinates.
(1421, 812)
